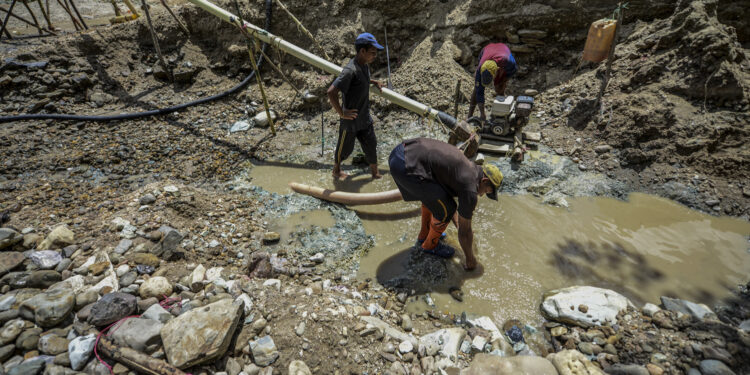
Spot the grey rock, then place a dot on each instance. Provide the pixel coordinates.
(45, 259)
(157, 313)
(201, 334)
(264, 351)
(533, 34)
(573, 359)
(147, 199)
(496, 365)
(698, 311)
(111, 308)
(86, 298)
(620, 369)
(6, 351)
(602, 149)
(261, 119)
(82, 80)
(61, 236)
(10, 260)
(145, 304)
(53, 344)
(169, 244)
(446, 341)
(586, 348)
(40, 279)
(7, 301)
(49, 308)
(714, 367)
(68, 251)
(29, 339)
(13, 361)
(8, 315)
(96, 368)
(63, 265)
(10, 331)
(157, 286)
(128, 278)
(9, 237)
(603, 305)
(239, 126)
(123, 246)
(33, 366)
(233, 367)
(139, 334)
(79, 351)
(57, 369)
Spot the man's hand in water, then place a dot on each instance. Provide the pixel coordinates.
(471, 263)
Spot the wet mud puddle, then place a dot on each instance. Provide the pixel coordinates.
(644, 248)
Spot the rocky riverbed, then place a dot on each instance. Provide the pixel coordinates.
(253, 312)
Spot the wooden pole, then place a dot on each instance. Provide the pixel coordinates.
(156, 41)
(455, 99)
(44, 13)
(6, 32)
(67, 10)
(33, 17)
(182, 25)
(5, 21)
(135, 360)
(75, 9)
(611, 55)
(117, 10)
(250, 48)
(22, 20)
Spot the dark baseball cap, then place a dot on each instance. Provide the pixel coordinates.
(367, 38)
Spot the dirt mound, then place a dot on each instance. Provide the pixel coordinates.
(676, 104)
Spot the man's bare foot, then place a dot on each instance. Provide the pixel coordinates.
(340, 175)
(374, 172)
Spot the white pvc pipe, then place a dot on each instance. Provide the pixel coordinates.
(327, 66)
(346, 198)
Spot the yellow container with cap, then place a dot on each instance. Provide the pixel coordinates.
(599, 40)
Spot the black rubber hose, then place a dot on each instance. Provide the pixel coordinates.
(155, 112)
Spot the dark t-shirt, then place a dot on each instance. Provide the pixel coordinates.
(439, 162)
(354, 83)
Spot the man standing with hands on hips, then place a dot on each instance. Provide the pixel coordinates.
(355, 121)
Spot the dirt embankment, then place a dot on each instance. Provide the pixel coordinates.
(675, 112)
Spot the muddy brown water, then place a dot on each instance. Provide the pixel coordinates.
(644, 248)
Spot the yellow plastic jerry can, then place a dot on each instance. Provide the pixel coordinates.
(599, 40)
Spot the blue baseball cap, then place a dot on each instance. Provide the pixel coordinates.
(367, 38)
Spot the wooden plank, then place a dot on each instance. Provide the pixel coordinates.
(527, 137)
(532, 136)
(495, 149)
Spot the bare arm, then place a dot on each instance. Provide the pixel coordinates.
(500, 87)
(466, 239)
(333, 98)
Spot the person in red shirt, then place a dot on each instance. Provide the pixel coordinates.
(496, 66)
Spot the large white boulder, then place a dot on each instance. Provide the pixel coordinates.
(585, 306)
